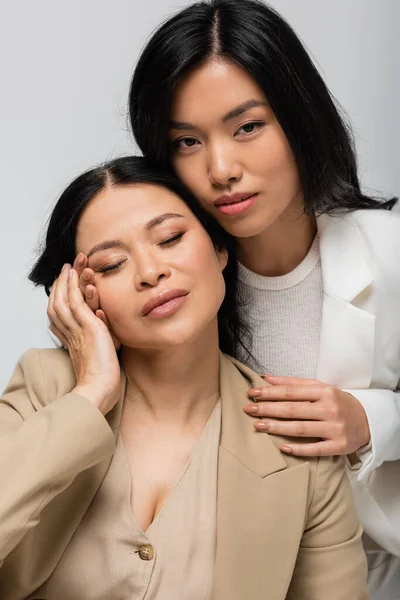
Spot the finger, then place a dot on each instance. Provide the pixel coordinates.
(309, 429)
(58, 334)
(86, 277)
(310, 393)
(63, 317)
(325, 448)
(52, 307)
(51, 298)
(80, 263)
(102, 316)
(278, 380)
(92, 298)
(78, 307)
(286, 410)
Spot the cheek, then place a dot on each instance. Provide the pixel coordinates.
(111, 296)
(208, 274)
(276, 156)
(192, 172)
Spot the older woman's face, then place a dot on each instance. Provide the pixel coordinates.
(158, 275)
(229, 149)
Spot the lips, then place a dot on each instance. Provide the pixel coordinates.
(233, 198)
(236, 204)
(162, 298)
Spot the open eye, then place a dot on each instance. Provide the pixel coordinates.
(250, 127)
(185, 143)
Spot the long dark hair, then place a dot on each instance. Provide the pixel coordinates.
(254, 36)
(60, 242)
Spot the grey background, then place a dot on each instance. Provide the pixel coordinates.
(65, 68)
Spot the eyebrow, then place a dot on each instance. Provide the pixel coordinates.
(107, 245)
(232, 114)
(161, 218)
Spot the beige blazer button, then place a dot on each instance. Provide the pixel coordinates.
(146, 552)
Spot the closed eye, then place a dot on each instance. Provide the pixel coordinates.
(109, 268)
(170, 241)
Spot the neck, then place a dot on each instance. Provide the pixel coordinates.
(282, 247)
(177, 385)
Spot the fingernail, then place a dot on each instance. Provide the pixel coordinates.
(80, 259)
(255, 392)
(89, 293)
(253, 409)
(287, 449)
(262, 425)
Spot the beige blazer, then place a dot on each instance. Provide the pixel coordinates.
(286, 527)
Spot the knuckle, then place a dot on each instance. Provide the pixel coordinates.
(332, 411)
(265, 392)
(300, 429)
(341, 430)
(288, 410)
(74, 307)
(289, 393)
(329, 392)
(271, 425)
(56, 308)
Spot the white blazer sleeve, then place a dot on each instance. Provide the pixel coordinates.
(382, 408)
(375, 479)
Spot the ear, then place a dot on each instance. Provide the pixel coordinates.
(222, 256)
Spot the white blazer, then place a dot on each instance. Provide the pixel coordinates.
(360, 352)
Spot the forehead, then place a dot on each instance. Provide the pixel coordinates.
(118, 208)
(215, 87)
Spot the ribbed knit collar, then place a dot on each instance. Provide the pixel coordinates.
(282, 282)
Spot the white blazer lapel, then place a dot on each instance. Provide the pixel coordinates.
(347, 340)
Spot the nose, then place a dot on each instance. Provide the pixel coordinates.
(224, 167)
(150, 270)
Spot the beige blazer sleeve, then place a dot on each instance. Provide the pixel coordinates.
(47, 437)
(331, 563)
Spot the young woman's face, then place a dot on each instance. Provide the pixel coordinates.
(158, 275)
(229, 149)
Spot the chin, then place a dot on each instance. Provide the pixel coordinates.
(164, 341)
(248, 227)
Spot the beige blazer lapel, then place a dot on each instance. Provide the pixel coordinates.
(261, 504)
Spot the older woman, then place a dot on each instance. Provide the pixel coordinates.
(133, 473)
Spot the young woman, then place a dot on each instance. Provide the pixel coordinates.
(135, 474)
(225, 95)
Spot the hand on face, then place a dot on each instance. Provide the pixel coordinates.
(87, 339)
(89, 290)
(308, 408)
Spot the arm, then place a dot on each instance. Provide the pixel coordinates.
(42, 449)
(47, 435)
(331, 563)
(382, 408)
